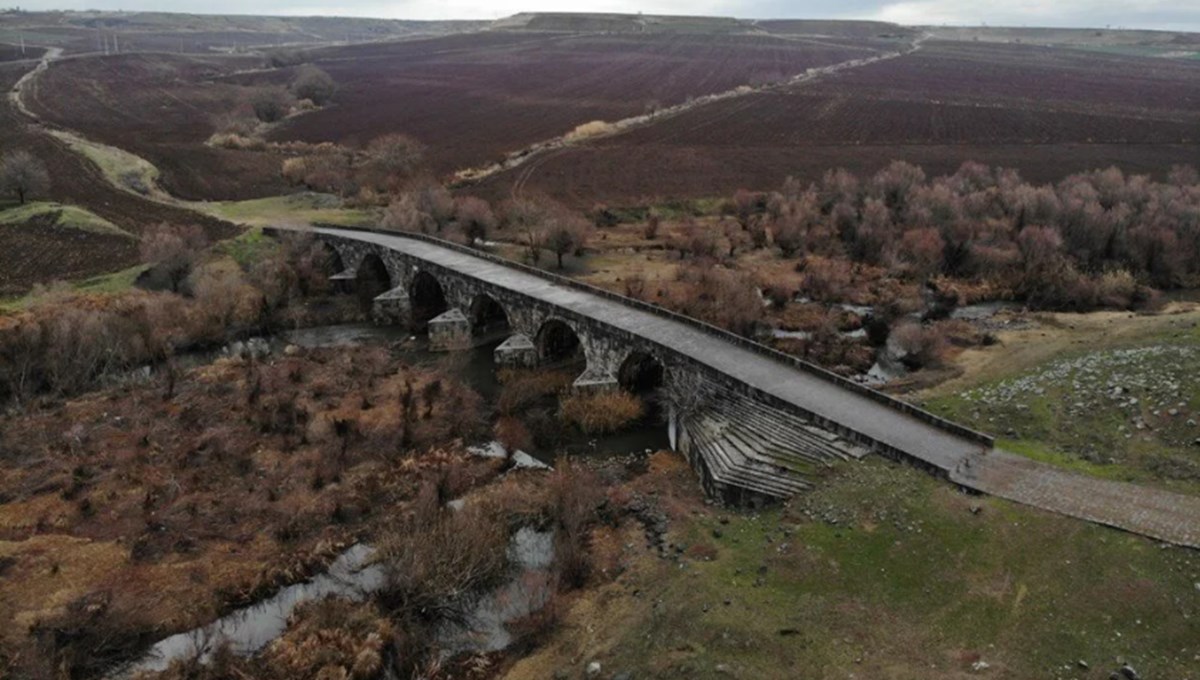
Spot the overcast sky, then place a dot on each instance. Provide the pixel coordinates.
(1162, 14)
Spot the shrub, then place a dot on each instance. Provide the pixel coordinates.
(237, 142)
(576, 495)
(313, 84)
(475, 218)
(524, 388)
(172, 249)
(270, 105)
(918, 346)
(512, 433)
(390, 161)
(437, 562)
(601, 412)
(589, 130)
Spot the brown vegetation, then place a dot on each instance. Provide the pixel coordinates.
(64, 342)
(601, 412)
(196, 492)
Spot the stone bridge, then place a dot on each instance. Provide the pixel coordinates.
(757, 425)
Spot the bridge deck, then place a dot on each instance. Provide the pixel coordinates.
(936, 447)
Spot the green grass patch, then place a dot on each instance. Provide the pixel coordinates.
(248, 247)
(105, 284)
(68, 216)
(887, 572)
(1129, 413)
(301, 208)
(121, 168)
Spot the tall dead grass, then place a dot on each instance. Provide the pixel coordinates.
(601, 412)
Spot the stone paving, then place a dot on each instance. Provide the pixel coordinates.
(1167, 516)
(1159, 514)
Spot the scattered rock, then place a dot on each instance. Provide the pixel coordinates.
(593, 669)
(980, 666)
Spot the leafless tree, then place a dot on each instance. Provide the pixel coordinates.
(23, 175)
(173, 248)
(391, 160)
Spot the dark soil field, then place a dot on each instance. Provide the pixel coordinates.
(75, 181)
(15, 53)
(98, 32)
(472, 102)
(1047, 112)
(33, 249)
(470, 98)
(163, 108)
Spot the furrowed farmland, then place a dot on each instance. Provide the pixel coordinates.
(1047, 112)
(470, 99)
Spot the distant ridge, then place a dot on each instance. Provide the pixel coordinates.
(587, 22)
(621, 23)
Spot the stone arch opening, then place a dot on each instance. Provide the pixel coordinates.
(488, 316)
(641, 373)
(427, 299)
(557, 342)
(371, 279)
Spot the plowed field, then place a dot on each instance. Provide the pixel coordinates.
(1047, 112)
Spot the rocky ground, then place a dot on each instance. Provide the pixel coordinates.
(1131, 412)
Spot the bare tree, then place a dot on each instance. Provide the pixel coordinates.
(474, 216)
(22, 174)
(391, 160)
(173, 249)
(566, 233)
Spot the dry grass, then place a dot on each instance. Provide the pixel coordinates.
(249, 475)
(601, 412)
(522, 388)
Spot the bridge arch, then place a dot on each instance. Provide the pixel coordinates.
(488, 316)
(558, 342)
(371, 278)
(426, 297)
(641, 373)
